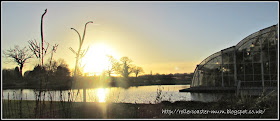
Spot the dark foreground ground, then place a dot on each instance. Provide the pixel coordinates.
(265, 107)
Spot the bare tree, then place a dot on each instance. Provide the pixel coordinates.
(19, 55)
(38, 50)
(112, 65)
(81, 53)
(137, 70)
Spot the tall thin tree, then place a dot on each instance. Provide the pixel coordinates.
(39, 51)
(79, 55)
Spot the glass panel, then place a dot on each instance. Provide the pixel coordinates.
(239, 57)
(231, 58)
(201, 76)
(249, 77)
(257, 68)
(273, 55)
(240, 77)
(245, 46)
(274, 83)
(267, 83)
(247, 56)
(273, 67)
(257, 43)
(240, 68)
(265, 55)
(264, 41)
(232, 81)
(195, 82)
(211, 81)
(266, 68)
(254, 46)
(228, 58)
(226, 81)
(218, 81)
(272, 41)
(257, 77)
(256, 56)
(248, 68)
(225, 58)
(231, 68)
(225, 69)
(267, 77)
(273, 76)
(219, 59)
(256, 84)
(243, 84)
(204, 80)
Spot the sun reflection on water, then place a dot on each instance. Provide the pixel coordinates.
(101, 94)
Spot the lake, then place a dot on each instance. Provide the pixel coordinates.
(138, 94)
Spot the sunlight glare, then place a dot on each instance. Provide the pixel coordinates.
(101, 94)
(96, 60)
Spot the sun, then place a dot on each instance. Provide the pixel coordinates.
(96, 59)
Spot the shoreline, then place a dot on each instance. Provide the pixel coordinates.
(67, 88)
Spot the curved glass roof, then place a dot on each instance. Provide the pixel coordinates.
(226, 67)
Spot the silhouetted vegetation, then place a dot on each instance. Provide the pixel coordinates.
(11, 77)
(19, 56)
(124, 67)
(59, 78)
(137, 70)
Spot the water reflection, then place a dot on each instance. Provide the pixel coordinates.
(140, 94)
(101, 94)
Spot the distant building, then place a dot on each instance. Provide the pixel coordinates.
(250, 65)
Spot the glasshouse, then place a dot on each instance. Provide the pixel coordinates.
(252, 63)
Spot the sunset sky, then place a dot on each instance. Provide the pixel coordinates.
(162, 37)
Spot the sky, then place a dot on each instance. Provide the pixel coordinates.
(161, 37)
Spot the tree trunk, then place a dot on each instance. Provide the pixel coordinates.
(20, 69)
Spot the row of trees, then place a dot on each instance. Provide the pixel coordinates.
(124, 67)
(53, 68)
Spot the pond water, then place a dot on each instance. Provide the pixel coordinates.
(141, 94)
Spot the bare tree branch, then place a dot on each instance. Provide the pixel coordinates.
(19, 55)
